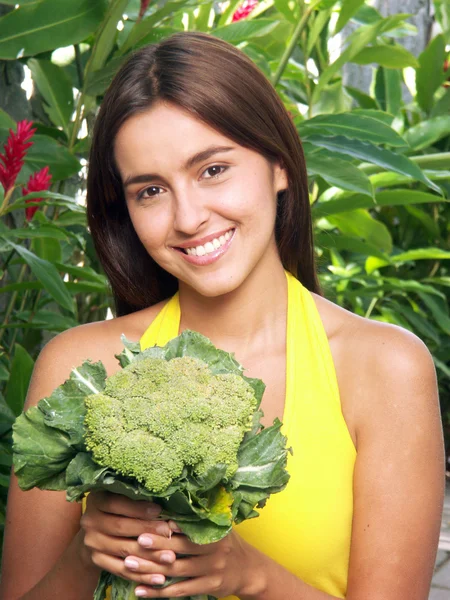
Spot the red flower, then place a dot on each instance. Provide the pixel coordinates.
(38, 182)
(244, 10)
(15, 149)
(144, 6)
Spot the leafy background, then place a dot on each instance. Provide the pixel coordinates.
(378, 158)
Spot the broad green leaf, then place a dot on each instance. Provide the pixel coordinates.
(47, 25)
(49, 230)
(438, 311)
(19, 379)
(21, 286)
(384, 198)
(348, 244)
(47, 248)
(391, 57)
(374, 154)
(429, 224)
(7, 416)
(364, 100)
(244, 30)
(288, 9)
(355, 126)
(358, 223)
(56, 88)
(430, 75)
(320, 20)
(45, 319)
(419, 322)
(426, 133)
(421, 254)
(142, 28)
(205, 13)
(339, 173)
(348, 9)
(47, 274)
(356, 41)
(106, 35)
(46, 151)
(97, 81)
(6, 122)
(442, 106)
(48, 198)
(388, 90)
(374, 113)
(390, 179)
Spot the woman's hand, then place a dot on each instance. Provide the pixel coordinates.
(111, 524)
(220, 569)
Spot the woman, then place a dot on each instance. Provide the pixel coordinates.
(197, 183)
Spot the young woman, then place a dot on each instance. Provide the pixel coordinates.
(198, 206)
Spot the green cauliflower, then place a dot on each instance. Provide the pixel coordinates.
(156, 417)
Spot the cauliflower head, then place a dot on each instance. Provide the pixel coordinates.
(156, 417)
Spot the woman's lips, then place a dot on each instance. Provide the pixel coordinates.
(209, 258)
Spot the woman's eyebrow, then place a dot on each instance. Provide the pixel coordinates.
(193, 160)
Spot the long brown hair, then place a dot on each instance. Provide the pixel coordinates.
(221, 86)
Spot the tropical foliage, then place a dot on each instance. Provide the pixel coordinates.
(378, 162)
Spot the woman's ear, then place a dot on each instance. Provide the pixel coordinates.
(280, 178)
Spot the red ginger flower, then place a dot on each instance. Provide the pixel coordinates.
(144, 6)
(15, 149)
(244, 10)
(38, 182)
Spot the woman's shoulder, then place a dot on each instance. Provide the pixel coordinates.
(376, 364)
(97, 341)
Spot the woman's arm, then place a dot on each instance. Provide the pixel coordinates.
(398, 491)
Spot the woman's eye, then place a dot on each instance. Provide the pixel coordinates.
(149, 192)
(214, 171)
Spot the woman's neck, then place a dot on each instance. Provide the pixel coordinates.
(247, 320)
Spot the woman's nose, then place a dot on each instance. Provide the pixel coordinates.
(190, 212)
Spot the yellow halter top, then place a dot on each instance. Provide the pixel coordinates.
(307, 527)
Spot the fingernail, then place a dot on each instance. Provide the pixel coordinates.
(158, 579)
(131, 563)
(166, 557)
(145, 540)
(140, 592)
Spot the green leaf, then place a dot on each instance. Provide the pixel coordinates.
(349, 8)
(19, 379)
(49, 230)
(6, 122)
(44, 320)
(384, 198)
(320, 20)
(442, 106)
(339, 173)
(354, 126)
(418, 321)
(374, 154)
(143, 28)
(391, 57)
(56, 88)
(347, 243)
(388, 90)
(356, 41)
(364, 100)
(358, 223)
(46, 151)
(47, 274)
(47, 248)
(430, 75)
(48, 199)
(106, 35)
(428, 132)
(7, 416)
(47, 25)
(421, 254)
(244, 30)
(437, 310)
(97, 81)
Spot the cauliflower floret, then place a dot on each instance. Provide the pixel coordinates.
(155, 417)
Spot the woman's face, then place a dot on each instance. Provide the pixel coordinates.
(203, 206)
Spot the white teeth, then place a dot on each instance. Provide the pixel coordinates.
(209, 246)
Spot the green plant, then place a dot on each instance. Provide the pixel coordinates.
(178, 425)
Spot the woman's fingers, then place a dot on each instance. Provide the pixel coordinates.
(189, 566)
(121, 547)
(178, 543)
(121, 505)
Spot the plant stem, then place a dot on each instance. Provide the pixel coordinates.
(78, 65)
(12, 301)
(6, 200)
(291, 47)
